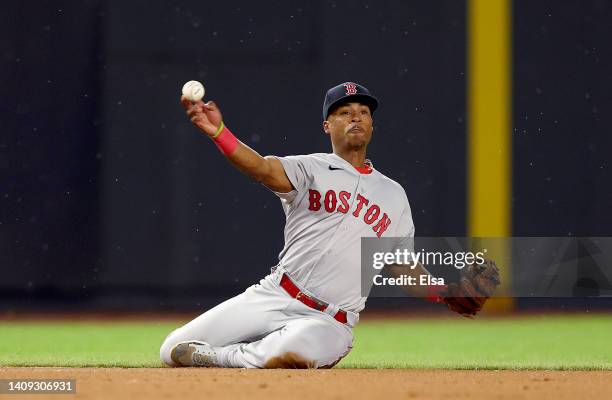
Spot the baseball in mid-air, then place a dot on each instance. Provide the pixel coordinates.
(193, 90)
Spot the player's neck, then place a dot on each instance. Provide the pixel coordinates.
(354, 157)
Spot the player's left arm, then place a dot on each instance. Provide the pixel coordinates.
(415, 271)
(477, 282)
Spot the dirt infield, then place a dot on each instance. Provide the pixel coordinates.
(184, 383)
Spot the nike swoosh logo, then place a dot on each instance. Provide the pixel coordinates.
(333, 168)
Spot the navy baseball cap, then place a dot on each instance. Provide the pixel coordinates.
(345, 93)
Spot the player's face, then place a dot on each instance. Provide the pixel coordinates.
(350, 126)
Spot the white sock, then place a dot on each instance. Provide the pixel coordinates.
(226, 356)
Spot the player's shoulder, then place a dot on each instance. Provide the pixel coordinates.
(309, 158)
(321, 157)
(391, 183)
(394, 188)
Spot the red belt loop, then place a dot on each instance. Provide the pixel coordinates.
(311, 302)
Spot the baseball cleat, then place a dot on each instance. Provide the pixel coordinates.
(194, 354)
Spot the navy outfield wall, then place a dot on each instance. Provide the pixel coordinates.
(111, 197)
(196, 221)
(169, 219)
(50, 133)
(562, 118)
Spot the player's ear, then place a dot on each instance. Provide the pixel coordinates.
(326, 127)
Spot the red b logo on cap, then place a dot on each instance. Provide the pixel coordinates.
(351, 88)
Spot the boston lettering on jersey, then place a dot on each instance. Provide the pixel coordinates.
(333, 202)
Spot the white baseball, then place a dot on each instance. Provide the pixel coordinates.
(193, 90)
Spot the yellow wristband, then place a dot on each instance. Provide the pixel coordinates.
(219, 130)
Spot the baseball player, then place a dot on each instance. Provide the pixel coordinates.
(302, 314)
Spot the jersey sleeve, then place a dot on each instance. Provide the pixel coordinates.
(405, 230)
(298, 171)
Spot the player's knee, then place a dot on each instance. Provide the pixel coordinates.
(289, 360)
(166, 349)
(305, 349)
(304, 360)
(291, 351)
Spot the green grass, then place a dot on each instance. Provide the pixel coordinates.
(581, 343)
(573, 342)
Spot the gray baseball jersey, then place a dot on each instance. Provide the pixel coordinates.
(332, 207)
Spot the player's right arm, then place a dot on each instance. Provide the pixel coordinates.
(266, 170)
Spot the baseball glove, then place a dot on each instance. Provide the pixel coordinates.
(476, 284)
